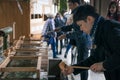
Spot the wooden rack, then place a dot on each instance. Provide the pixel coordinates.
(41, 57)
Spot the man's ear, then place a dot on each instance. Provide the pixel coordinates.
(90, 19)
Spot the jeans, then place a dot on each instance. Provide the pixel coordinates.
(53, 46)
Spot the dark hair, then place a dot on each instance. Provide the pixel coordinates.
(115, 15)
(74, 1)
(83, 11)
(57, 15)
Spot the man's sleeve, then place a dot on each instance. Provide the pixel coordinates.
(97, 55)
(112, 38)
(66, 28)
(73, 34)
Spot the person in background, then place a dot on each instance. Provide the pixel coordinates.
(69, 45)
(59, 22)
(65, 17)
(105, 35)
(113, 12)
(49, 34)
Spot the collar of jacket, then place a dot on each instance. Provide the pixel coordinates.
(93, 30)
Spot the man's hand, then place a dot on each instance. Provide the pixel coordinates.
(62, 37)
(67, 70)
(97, 67)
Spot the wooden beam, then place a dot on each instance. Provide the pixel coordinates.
(38, 67)
(5, 63)
(21, 37)
(12, 53)
(39, 63)
(23, 57)
(31, 44)
(19, 7)
(18, 44)
(18, 69)
(42, 55)
(27, 50)
(28, 39)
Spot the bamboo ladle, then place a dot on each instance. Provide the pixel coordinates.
(62, 66)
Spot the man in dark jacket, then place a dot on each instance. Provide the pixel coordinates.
(106, 38)
(81, 39)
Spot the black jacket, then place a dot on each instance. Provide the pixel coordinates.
(107, 41)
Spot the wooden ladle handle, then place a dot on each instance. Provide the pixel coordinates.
(62, 66)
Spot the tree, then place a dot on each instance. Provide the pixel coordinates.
(63, 5)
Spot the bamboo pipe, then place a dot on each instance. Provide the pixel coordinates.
(62, 66)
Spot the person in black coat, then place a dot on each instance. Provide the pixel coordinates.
(105, 34)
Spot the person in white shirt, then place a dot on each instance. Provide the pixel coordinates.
(49, 34)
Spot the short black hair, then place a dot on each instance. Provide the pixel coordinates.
(74, 1)
(83, 11)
